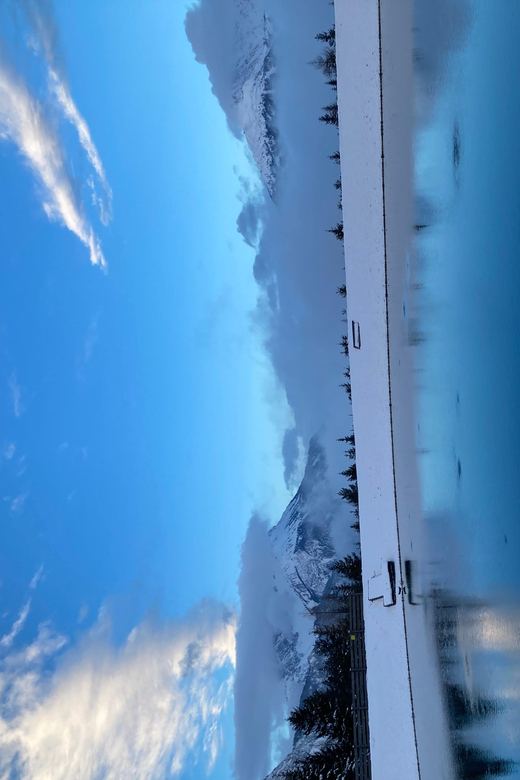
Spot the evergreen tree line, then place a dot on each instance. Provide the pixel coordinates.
(325, 716)
(350, 492)
(326, 63)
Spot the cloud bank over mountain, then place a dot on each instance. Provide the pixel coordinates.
(298, 265)
(259, 689)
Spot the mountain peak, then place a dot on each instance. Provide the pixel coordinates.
(301, 540)
(233, 38)
(253, 92)
(316, 466)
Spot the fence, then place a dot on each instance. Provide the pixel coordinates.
(359, 687)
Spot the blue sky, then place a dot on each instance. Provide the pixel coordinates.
(142, 420)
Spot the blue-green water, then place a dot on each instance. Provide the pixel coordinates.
(467, 165)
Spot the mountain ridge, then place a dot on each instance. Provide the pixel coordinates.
(304, 550)
(234, 39)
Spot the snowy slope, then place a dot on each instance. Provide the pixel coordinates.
(304, 550)
(305, 745)
(253, 88)
(301, 539)
(234, 39)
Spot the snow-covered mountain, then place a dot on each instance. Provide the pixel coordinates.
(303, 547)
(253, 88)
(285, 574)
(305, 745)
(301, 539)
(234, 39)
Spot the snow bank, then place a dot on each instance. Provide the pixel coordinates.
(407, 726)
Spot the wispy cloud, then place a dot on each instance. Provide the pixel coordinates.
(41, 19)
(7, 452)
(89, 343)
(7, 640)
(146, 709)
(36, 578)
(17, 503)
(64, 98)
(16, 393)
(23, 121)
(22, 466)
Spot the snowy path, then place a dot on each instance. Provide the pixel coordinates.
(375, 82)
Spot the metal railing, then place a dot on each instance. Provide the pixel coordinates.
(358, 661)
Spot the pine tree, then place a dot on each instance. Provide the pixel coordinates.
(337, 231)
(328, 763)
(331, 115)
(329, 36)
(351, 452)
(316, 714)
(348, 389)
(350, 494)
(350, 473)
(349, 567)
(326, 62)
(344, 345)
(342, 290)
(336, 157)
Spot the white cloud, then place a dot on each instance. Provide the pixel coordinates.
(16, 504)
(143, 710)
(8, 451)
(46, 35)
(61, 91)
(22, 466)
(36, 578)
(16, 392)
(260, 694)
(23, 121)
(89, 343)
(7, 640)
